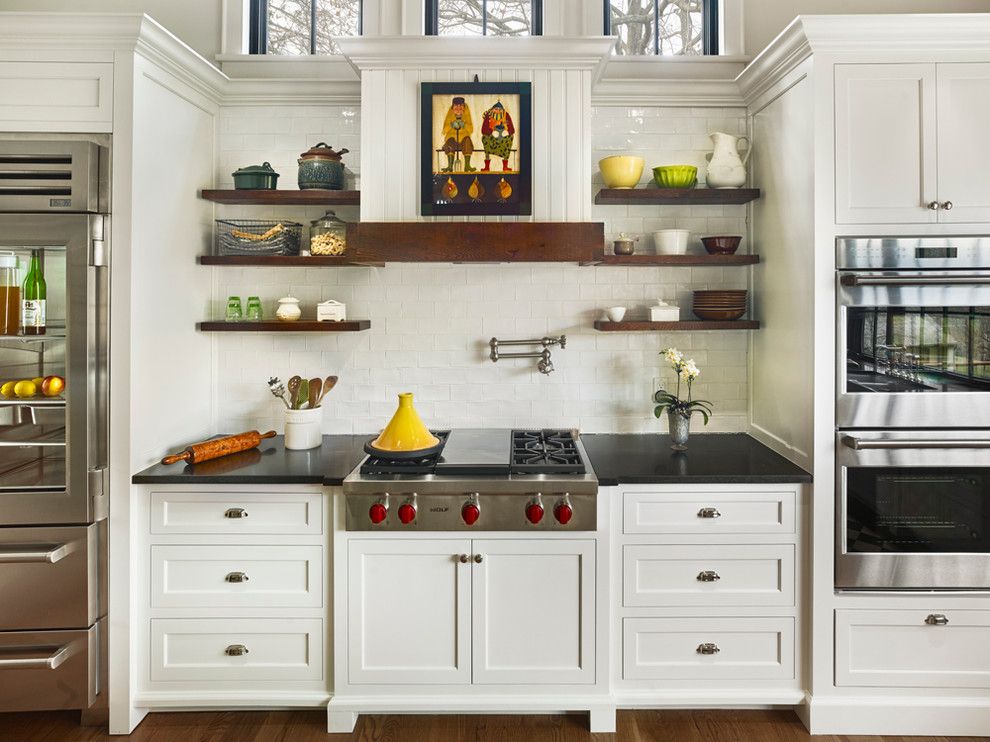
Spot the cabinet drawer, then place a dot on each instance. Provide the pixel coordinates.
(188, 649)
(694, 648)
(46, 670)
(709, 513)
(232, 576)
(236, 513)
(708, 575)
(900, 649)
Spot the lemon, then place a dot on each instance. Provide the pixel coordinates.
(7, 390)
(37, 380)
(25, 388)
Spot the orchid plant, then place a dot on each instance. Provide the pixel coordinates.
(687, 372)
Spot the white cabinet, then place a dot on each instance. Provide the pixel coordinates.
(911, 143)
(487, 611)
(56, 96)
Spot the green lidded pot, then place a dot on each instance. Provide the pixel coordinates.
(255, 178)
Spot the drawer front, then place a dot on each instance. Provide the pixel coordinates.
(693, 648)
(45, 670)
(913, 648)
(664, 576)
(236, 576)
(709, 513)
(48, 577)
(247, 649)
(235, 513)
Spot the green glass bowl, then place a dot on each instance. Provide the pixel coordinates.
(676, 176)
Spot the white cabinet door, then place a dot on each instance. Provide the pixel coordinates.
(885, 143)
(534, 611)
(409, 611)
(56, 96)
(964, 142)
(930, 648)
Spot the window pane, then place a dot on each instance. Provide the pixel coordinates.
(680, 27)
(288, 26)
(459, 17)
(509, 17)
(465, 17)
(633, 22)
(336, 18)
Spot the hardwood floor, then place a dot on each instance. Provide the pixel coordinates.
(310, 726)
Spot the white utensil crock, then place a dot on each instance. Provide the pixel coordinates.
(671, 241)
(302, 428)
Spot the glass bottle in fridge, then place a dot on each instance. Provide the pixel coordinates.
(33, 297)
(10, 294)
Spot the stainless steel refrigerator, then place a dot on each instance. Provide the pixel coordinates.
(54, 203)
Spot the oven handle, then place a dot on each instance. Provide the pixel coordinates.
(861, 444)
(851, 279)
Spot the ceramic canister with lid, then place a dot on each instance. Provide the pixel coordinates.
(321, 167)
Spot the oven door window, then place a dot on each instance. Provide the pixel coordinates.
(917, 510)
(917, 349)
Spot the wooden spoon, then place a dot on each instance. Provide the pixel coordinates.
(315, 392)
(329, 384)
(293, 386)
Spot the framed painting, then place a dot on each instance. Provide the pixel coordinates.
(477, 154)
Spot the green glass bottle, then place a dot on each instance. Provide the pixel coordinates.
(33, 298)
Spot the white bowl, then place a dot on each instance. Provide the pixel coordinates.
(671, 241)
(616, 313)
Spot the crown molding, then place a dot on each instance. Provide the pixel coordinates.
(259, 92)
(671, 81)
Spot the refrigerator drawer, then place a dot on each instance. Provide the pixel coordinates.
(49, 577)
(46, 670)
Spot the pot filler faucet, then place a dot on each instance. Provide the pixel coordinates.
(544, 365)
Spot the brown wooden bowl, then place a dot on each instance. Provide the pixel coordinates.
(721, 244)
(719, 315)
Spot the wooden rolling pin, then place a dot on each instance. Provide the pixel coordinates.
(217, 447)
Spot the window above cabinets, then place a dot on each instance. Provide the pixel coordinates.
(484, 17)
(300, 27)
(663, 27)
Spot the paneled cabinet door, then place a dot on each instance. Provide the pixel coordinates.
(409, 611)
(885, 144)
(964, 142)
(534, 611)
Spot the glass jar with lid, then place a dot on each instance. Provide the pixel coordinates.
(327, 235)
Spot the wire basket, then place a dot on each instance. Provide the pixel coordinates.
(257, 237)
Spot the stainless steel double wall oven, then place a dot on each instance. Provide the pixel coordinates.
(913, 413)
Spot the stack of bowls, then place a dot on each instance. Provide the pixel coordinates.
(720, 305)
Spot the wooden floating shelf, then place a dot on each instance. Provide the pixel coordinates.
(676, 196)
(684, 260)
(285, 261)
(687, 326)
(309, 197)
(276, 326)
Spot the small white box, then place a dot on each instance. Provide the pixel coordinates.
(331, 311)
(663, 312)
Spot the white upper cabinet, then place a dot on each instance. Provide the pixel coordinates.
(964, 142)
(911, 143)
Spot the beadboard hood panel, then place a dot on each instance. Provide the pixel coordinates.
(562, 72)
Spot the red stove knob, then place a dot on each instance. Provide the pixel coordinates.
(378, 512)
(534, 512)
(563, 513)
(407, 513)
(470, 513)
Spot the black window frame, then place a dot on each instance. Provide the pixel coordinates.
(432, 20)
(258, 25)
(709, 30)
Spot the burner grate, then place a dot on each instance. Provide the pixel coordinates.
(545, 452)
(425, 465)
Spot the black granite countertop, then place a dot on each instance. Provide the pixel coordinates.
(711, 458)
(270, 463)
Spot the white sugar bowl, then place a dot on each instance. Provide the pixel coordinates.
(288, 309)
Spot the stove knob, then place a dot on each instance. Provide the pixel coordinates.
(470, 513)
(534, 512)
(563, 511)
(407, 513)
(378, 512)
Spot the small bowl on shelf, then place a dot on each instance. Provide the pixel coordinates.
(676, 176)
(725, 244)
(621, 171)
(671, 241)
(615, 314)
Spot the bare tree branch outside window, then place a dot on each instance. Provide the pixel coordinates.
(289, 23)
(681, 26)
(466, 17)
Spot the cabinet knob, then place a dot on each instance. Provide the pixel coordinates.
(708, 648)
(946, 206)
(478, 559)
(936, 619)
(709, 576)
(934, 205)
(235, 513)
(463, 558)
(236, 577)
(709, 513)
(235, 650)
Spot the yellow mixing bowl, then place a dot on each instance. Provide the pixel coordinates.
(621, 171)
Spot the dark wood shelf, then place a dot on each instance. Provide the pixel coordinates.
(686, 260)
(309, 197)
(676, 196)
(285, 261)
(685, 326)
(276, 326)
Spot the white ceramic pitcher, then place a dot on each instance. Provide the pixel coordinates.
(725, 168)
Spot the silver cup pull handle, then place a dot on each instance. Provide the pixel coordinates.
(236, 577)
(936, 619)
(236, 650)
(709, 513)
(709, 575)
(235, 513)
(708, 648)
